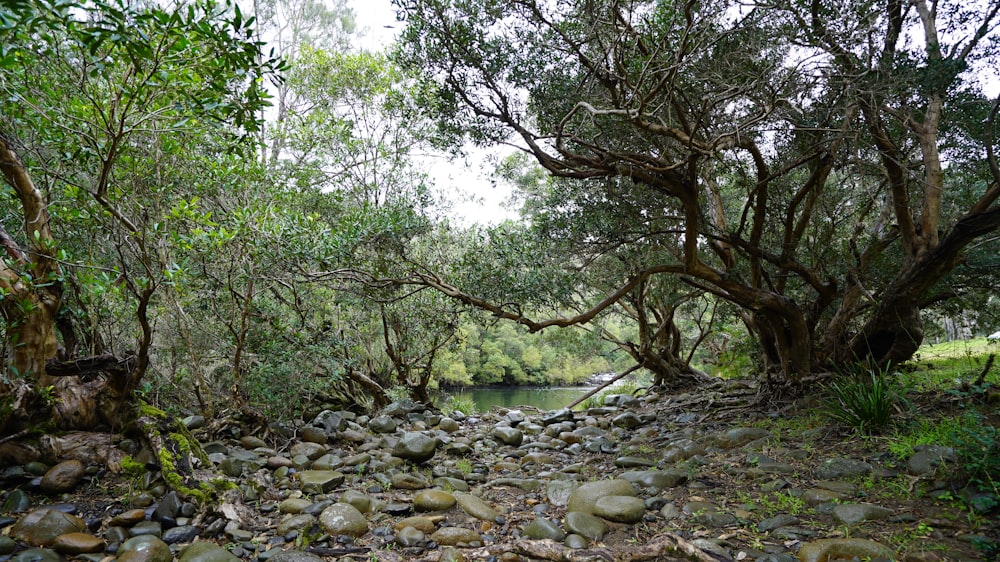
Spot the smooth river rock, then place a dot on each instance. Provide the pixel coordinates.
(41, 526)
(62, 477)
(585, 497)
(842, 549)
(343, 519)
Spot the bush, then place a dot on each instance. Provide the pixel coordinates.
(865, 404)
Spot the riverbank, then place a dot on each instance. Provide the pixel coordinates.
(658, 478)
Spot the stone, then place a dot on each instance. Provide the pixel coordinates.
(40, 527)
(7, 545)
(926, 459)
(295, 556)
(627, 420)
(457, 536)
(842, 549)
(293, 505)
(408, 481)
(507, 435)
(252, 442)
(586, 525)
(331, 421)
(449, 483)
(18, 501)
(557, 416)
(433, 500)
(449, 425)
(816, 496)
(144, 548)
(414, 446)
(36, 555)
(204, 551)
(319, 481)
(633, 462)
(343, 519)
(419, 522)
(833, 469)
(620, 509)
(585, 497)
(295, 522)
(77, 543)
(382, 424)
(576, 541)
(772, 523)
(362, 502)
(853, 513)
(167, 509)
(311, 451)
(476, 507)
(740, 436)
(62, 477)
(542, 528)
(181, 534)
(558, 492)
(662, 479)
(146, 528)
(410, 536)
(194, 422)
(313, 434)
(328, 462)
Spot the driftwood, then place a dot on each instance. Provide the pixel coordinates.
(663, 548)
(87, 366)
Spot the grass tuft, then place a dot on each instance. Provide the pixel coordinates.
(865, 404)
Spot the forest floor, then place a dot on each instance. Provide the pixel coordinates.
(707, 474)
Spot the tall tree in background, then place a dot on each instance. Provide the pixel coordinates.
(794, 151)
(98, 98)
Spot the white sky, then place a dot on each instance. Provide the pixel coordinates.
(466, 185)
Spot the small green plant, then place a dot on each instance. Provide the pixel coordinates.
(464, 466)
(458, 403)
(865, 404)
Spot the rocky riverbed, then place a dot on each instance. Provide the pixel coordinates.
(692, 476)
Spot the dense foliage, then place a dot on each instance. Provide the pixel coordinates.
(219, 210)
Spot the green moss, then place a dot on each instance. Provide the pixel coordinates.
(176, 481)
(131, 467)
(146, 409)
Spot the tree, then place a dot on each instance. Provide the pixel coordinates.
(786, 157)
(100, 94)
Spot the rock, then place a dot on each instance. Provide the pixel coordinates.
(7, 545)
(294, 505)
(476, 507)
(557, 416)
(77, 543)
(144, 548)
(449, 483)
(576, 541)
(408, 481)
(419, 522)
(620, 509)
(204, 551)
(927, 458)
(449, 425)
(842, 549)
(709, 514)
(313, 434)
(167, 509)
(182, 534)
(62, 477)
(294, 523)
(507, 435)
(633, 462)
(558, 492)
(457, 536)
(362, 502)
(585, 497)
(627, 420)
(415, 447)
(662, 479)
(331, 422)
(18, 501)
(410, 536)
(295, 556)
(586, 525)
(737, 437)
(782, 520)
(252, 442)
(343, 519)
(146, 528)
(382, 424)
(541, 528)
(433, 500)
(311, 451)
(194, 422)
(41, 526)
(852, 513)
(816, 496)
(36, 555)
(832, 469)
(319, 481)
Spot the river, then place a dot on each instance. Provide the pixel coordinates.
(544, 398)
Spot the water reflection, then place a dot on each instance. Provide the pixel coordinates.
(544, 398)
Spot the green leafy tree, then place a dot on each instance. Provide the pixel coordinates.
(787, 158)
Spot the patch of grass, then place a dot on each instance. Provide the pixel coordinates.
(947, 365)
(864, 403)
(464, 404)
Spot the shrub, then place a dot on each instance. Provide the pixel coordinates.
(865, 404)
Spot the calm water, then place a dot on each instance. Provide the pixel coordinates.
(548, 398)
